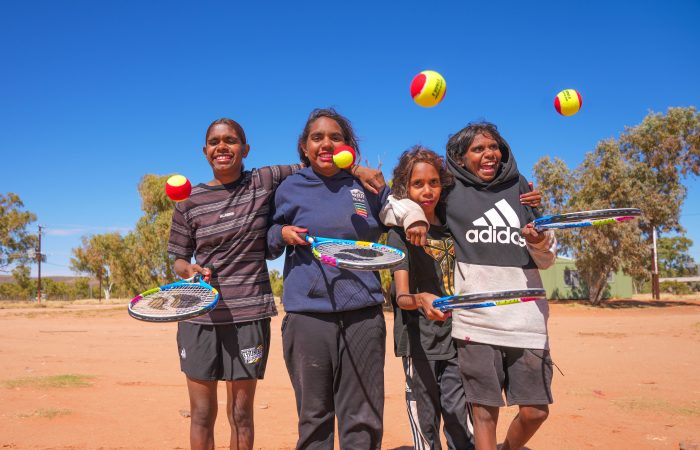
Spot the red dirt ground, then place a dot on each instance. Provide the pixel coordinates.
(631, 381)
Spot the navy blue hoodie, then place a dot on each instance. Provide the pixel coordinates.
(334, 207)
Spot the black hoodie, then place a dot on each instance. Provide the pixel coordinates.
(487, 227)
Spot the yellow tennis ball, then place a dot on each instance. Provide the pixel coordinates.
(428, 88)
(568, 102)
(344, 156)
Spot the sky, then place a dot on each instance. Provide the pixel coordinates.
(96, 94)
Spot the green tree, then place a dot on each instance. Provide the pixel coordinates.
(26, 287)
(15, 240)
(674, 259)
(277, 283)
(602, 181)
(664, 149)
(99, 256)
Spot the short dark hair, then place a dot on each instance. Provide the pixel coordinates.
(348, 133)
(230, 122)
(404, 169)
(459, 143)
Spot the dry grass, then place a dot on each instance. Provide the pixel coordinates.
(53, 381)
(47, 413)
(659, 406)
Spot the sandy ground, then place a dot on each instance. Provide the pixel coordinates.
(631, 381)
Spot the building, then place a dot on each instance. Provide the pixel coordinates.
(562, 281)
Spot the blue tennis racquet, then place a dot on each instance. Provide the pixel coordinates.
(177, 301)
(356, 255)
(586, 218)
(476, 300)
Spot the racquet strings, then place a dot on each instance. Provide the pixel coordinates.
(180, 301)
(358, 254)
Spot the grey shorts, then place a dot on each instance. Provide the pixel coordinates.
(525, 375)
(224, 352)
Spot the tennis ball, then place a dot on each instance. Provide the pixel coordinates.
(178, 188)
(568, 102)
(428, 88)
(344, 156)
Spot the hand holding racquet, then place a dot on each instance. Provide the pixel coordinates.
(487, 299)
(586, 218)
(356, 255)
(177, 301)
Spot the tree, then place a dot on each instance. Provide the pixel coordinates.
(674, 260)
(15, 240)
(277, 283)
(663, 149)
(99, 256)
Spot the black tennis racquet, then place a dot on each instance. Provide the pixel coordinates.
(586, 218)
(177, 301)
(356, 255)
(487, 299)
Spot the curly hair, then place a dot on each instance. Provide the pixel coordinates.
(459, 143)
(231, 123)
(404, 169)
(348, 133)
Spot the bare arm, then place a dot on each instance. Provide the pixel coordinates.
(409, 301)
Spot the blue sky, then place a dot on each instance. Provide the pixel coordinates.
(95, 94)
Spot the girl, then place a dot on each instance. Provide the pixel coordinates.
(333, 333)
(422, 333)
(223, 224)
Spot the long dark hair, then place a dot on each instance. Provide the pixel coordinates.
(404, 169)
(459, 143)
(345, 125)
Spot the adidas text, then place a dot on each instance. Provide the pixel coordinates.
(491, 235)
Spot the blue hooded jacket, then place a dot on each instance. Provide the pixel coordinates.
(335, 207)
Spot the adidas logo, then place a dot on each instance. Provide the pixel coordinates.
(500, 222)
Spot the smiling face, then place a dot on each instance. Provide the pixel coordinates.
(325, 135)
(425, 188)
(483, 157)
(225, 151)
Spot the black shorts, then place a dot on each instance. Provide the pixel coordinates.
(488, 370)
(224, 352)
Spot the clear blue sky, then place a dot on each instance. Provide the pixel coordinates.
(95, 94)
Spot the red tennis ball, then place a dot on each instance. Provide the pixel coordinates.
(428, 88)
(568, 102)
(178, 188)
(344, 156)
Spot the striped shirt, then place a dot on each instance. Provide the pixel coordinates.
(225, 227)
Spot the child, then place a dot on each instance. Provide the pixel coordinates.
(333, 333)
(223, 224)
(422, 333)
(503, 348)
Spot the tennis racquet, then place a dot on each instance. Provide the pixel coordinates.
(586, 218)
(177, 301)
(356, 255)
(487, 299)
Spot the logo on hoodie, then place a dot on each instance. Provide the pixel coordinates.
(500, 226)
(358, 201)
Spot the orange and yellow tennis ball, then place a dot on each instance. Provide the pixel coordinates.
(178, 188)
(568, 102)
(344, 156)
(428, 88)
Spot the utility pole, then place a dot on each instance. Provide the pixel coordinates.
(655, 291)
(38, 259)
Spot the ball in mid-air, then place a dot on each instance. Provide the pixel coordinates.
(428, 88)
(568, 102)
(178, 188)
(344, 156)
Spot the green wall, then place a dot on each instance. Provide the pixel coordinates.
(620, 286)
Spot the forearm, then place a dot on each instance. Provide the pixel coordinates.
(183, 268)
(544, 253)
(407, 301)
(275, 242)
